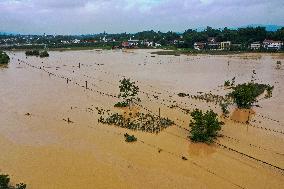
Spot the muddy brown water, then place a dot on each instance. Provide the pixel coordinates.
(44, 151)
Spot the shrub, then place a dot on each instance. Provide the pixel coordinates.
(5, 183)
(244, 95)
(227, 83)
(204, 127)
(121, 104)
(4, 58)
(44, 54)
(130, 138)
(32, 53)
(224, 106)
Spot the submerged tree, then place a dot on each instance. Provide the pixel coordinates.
(244, 95)
(128, 91)
(44, 54)
(32, 53)
(204, 126)
(5, 183)
(4, 58)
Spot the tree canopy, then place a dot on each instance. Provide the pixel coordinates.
(204, 126)
(4, 58)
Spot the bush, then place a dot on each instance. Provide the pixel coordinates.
(5, 183)
(204, 127)
(244, 95)
(32, 53)
(44, 54)
(224, 106)
(121, 104)
(130, 138)
(4, 58)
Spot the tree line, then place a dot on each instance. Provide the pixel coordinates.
(185, 39)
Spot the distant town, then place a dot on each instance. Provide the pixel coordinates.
(242, 39)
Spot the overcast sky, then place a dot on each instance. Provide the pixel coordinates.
(112, 16)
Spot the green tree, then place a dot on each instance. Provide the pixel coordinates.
(244, 95)
(4, 58)
(204, 126)
(128, 91)
(44, 54)
(5, 183)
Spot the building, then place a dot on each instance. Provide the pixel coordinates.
(225, 45)
(212, 43)
(125, 44)
(272, 45)
(255, 46)
(199, 46)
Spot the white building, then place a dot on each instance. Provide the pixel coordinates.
(255, 45)
(199, 46)
(271, 44)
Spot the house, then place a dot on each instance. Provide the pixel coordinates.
(212, 43)
(255, 45)
(199, 46)
(272, 45)
(225, 45)
(133, 42)
(125, 44)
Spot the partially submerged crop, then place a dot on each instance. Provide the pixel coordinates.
(139, 121)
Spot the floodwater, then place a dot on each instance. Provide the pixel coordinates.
(39, 147)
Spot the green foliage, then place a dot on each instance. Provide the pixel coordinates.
(5, 183)
(139, 121)
(229, 83)
(128, 91)
(4, 58)
(130, 138)
(43, 54)
(244, 95)
(204, 127)
(121, 104)
(32, 53)
(224, 106)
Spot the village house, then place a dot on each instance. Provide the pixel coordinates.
(212, 43)
(125, 44)
(272, 45)
(225, 45)
(199, 46)
(255, 45)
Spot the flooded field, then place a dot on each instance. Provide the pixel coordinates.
(41, 148)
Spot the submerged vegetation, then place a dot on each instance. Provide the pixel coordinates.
(204, 126)
(32, 53)
(229, 83)
(37, 53)
(278, 65)
(244, 95)
(43, 54)
(139, 121)
(5, 183)
(4, 58)
(129, 138)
